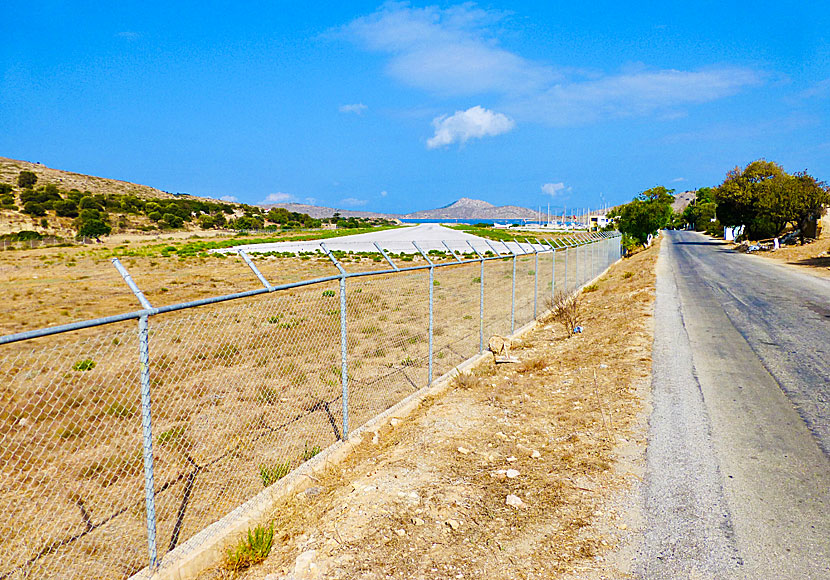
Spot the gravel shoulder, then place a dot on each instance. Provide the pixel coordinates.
(519, 471)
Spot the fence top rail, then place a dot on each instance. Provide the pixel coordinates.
(152, 311)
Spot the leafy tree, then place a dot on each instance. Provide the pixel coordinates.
(33, 208)
(646, 214)
(89, 202)
(5, 188)
(93, 228)
(765, 199)
(172, 220)
(154, 216)
(26, 179)
(66, 208)
(206, 222)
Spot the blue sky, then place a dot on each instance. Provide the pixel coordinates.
(399, 107)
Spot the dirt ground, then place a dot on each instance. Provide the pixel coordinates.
(519, 471)
(813, 258)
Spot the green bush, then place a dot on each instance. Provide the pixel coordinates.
(250, 550)
(270, 474)
(33, 208)
(86, 364)
(66, 208)
(26, 179)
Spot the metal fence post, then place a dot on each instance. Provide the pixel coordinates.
(344, 359)
(535, 278)
(146, 414)
(513, 293)
(431, 306)
(480, 300)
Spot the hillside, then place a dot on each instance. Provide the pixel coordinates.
(37, 201)
(11, 168)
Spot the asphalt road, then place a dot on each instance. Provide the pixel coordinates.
(738, 471)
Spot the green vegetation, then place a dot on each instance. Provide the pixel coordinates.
(172, 436)
(649, 212)
(86, 364)
(309, 452)
(252, 549)
(96, 215)
(270, 474)
(765, 199)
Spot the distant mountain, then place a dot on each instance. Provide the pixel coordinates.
(464, 208)
(470, 209)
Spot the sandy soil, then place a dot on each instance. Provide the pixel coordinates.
(811, 258)
(521, 471)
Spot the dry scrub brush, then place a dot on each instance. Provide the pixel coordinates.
(566, 309)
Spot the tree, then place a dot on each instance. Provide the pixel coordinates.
(807, 199)
(93, 228)
(5, 188)
(66, 208)
(33, 208)
(172, 220)
(26, 179)
(765, 199)
(646, 214)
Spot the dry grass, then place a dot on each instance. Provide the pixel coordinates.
(428, 498)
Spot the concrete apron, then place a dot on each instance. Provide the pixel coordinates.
(209, 546)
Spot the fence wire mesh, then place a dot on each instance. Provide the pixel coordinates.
(243, 392)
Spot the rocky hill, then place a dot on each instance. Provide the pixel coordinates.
(466, 208)
(11, 168)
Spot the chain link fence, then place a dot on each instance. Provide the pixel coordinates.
(123, 437)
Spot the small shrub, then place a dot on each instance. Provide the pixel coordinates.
(226, 353)
(270, 474)
(465, 381)
(408, 362)
(84, 365)
(627, 275)
(274, 319)
(308, 453)
(119, 410)
(590, 288)
(566, 309)
(172, 436)
(268, 395)
(250, 550)
(69, 431)
(328, 293)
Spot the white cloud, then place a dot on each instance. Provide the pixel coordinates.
(476, 122)
(455, 51)
(383, 193)
(678, 179)
(631, 94)
(555, 189)
(228, 198)
(352, 201)
(310, 200)
(448, 51)
(278, 197)
(356, 108)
